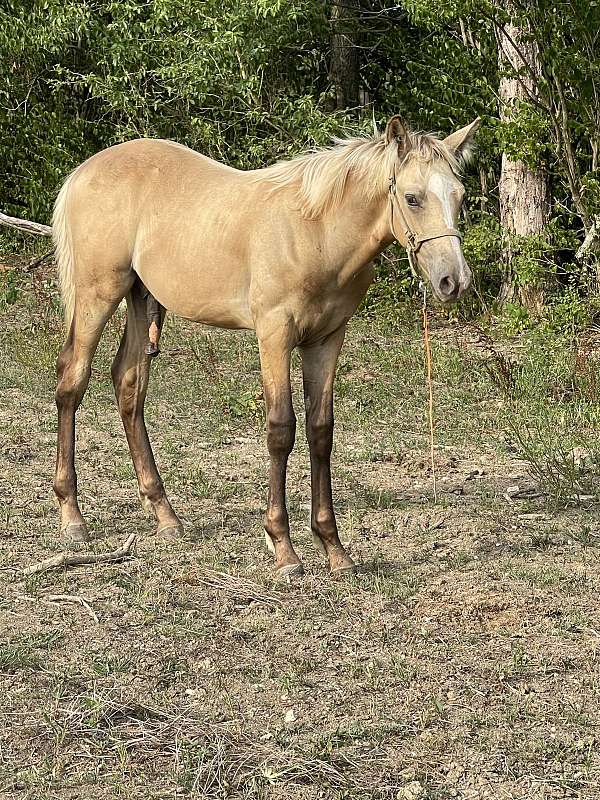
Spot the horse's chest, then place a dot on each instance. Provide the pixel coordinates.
(324, 306)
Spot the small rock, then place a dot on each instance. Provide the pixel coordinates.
(454, 772)
(412, 791)
(290, 717)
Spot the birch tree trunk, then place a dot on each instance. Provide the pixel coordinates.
(524, 194)
(345, 62)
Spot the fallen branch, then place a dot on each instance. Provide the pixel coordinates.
(33, 264)
(77, 559)
(25, 225)
(71, 598)
(37, 262)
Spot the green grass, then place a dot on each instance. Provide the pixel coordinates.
(28, 652)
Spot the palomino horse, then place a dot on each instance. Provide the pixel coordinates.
(285, 251)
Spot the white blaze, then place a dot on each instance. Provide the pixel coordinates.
(442, 187)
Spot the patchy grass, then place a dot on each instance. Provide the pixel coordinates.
(462, 660)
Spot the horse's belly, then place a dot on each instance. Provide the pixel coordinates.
(200, 292)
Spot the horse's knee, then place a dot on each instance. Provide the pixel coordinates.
(281, 432)
(319, 432)
(276, 521)
(73, 378)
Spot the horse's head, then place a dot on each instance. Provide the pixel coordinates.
(425, 201)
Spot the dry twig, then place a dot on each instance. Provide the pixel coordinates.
(77, 559)
(71, 598)
(589, 240)
(37, 262)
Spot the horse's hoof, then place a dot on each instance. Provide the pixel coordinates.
(75, 533)
(344, 572)
(170, 532)
(290, 571)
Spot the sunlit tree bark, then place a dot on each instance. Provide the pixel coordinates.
(524, 194)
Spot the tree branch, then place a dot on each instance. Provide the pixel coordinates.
(25, 225)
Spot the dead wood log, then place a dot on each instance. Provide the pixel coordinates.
(25, 225)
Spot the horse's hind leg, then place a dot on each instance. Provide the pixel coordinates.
(73, 369)
(130, 372)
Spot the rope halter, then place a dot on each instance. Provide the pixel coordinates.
(413, 240)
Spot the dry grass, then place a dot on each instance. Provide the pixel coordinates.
(461, 662)
(239, 589)
(205, 757)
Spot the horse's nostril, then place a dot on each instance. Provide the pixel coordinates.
(448, 286)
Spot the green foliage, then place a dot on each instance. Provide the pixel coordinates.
(238, 81)
(515, 319)
(526, 135)
(248, 83)
(9, 288)
(549, 385)
(570, 313)
(482, 245)
(530, 263)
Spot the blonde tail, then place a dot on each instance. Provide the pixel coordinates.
(64, 253)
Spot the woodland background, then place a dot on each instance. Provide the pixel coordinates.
(463, 661)
(250, 82)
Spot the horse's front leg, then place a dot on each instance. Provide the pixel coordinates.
(275, 344)
(318, 366)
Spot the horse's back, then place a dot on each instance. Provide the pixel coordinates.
(172, 215)
(143, 166)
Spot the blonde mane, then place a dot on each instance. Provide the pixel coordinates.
(320, 177)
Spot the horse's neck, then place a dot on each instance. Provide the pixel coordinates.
(355, 233)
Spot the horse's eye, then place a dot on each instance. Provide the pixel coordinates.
(411, 200)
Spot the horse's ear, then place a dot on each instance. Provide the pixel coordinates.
(397, 131)
(460, 143)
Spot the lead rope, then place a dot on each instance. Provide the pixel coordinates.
(428, 361)
(411, 249)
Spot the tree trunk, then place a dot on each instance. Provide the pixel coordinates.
(524, 195)
(344, 64)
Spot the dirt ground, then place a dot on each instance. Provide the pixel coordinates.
(461, 662)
